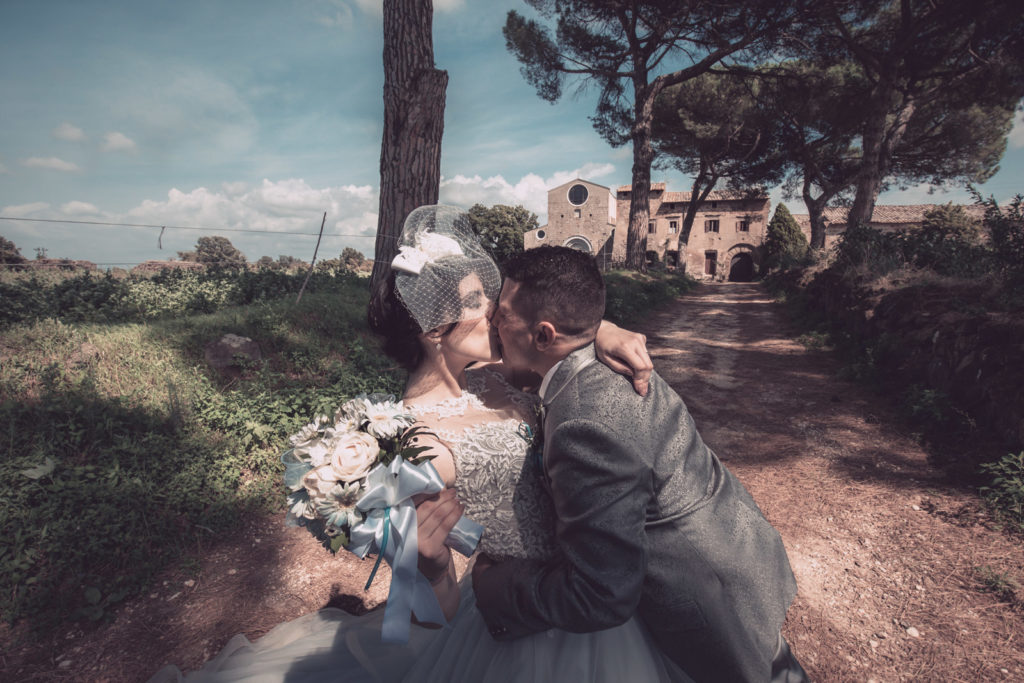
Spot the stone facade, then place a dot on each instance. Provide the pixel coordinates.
(728, 228)
(587, 220)
(885, 217)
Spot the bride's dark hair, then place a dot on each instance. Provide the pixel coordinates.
(389, 318)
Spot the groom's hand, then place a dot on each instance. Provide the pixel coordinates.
(625, 352)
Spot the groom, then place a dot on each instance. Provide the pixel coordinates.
(649, 521)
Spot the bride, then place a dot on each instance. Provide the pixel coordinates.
(432, 313)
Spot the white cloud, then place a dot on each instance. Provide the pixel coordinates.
(531, 191)
(52, 163)
(285, 206)
(24, 210)
(235, 188)
(341, 13)
(79, 208)
(448, 5)
(1017, 134)
(68, 131)
(3, 169)
(195, 114)
(117, 142)
(340, 16)
(375, 7)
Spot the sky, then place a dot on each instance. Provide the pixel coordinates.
(256, 115)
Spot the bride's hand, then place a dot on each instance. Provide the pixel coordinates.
(625, 352)
(436, 516)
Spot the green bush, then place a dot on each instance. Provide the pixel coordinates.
(1005, 493)
(785, 244)
(120, 457)
(630, 295)
(862, 247)
(91, 297)
(1006, 230)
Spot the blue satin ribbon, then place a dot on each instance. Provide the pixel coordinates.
(383, 544)
(390, 530)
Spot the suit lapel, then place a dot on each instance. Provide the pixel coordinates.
(570, 367)
(573, 364)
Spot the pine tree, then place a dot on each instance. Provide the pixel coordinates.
(786, 244)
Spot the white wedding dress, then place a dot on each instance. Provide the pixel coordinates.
(488, 430)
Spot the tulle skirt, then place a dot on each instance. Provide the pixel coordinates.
(333, 645)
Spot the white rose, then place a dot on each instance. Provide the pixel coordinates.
(320, 480)
(354, 454)
(314, 450)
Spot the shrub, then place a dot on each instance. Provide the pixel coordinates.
(630, 295)
(89, 297)
(1006, 230)
(121, 458)
(785, 244)
(866, 249)
(9, 252)
(1005, 493)
(947, 243)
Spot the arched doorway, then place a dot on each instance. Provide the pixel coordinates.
(741, 268)
(580, 244)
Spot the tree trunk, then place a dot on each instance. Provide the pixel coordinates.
(640, 197)
(703, 184)
(414, 98)
(816, 214)
(879, 141)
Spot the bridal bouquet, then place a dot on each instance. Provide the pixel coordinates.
(352, 478)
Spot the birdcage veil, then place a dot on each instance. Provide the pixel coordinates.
(437, 251)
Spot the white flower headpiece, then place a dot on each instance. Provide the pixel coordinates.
(429, 248)
(438, 252)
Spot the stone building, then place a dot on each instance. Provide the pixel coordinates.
(728, 227)
(885, 217)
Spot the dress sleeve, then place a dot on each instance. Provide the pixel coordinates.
(601, 490)
(443, 460)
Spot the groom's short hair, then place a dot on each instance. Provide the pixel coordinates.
(561, 285)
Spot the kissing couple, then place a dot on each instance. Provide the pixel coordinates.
(616, 547)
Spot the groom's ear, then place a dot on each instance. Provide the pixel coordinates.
(544, 335)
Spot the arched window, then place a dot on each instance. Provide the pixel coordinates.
(580, 244)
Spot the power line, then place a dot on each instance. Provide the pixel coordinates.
(177, 227)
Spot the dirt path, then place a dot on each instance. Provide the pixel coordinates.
(884, 552)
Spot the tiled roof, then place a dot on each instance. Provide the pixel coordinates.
(891, 214)
(714, 196)
(655, 187)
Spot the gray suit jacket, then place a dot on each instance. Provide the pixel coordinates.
(650, 522)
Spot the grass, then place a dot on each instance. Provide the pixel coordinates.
(121, 453)
(1001, 584)
(631, 295)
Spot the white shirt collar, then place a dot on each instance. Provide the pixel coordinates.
(547, 378)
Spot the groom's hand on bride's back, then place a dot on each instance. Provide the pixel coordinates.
(625, 352)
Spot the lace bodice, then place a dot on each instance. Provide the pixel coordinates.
(488, 430)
